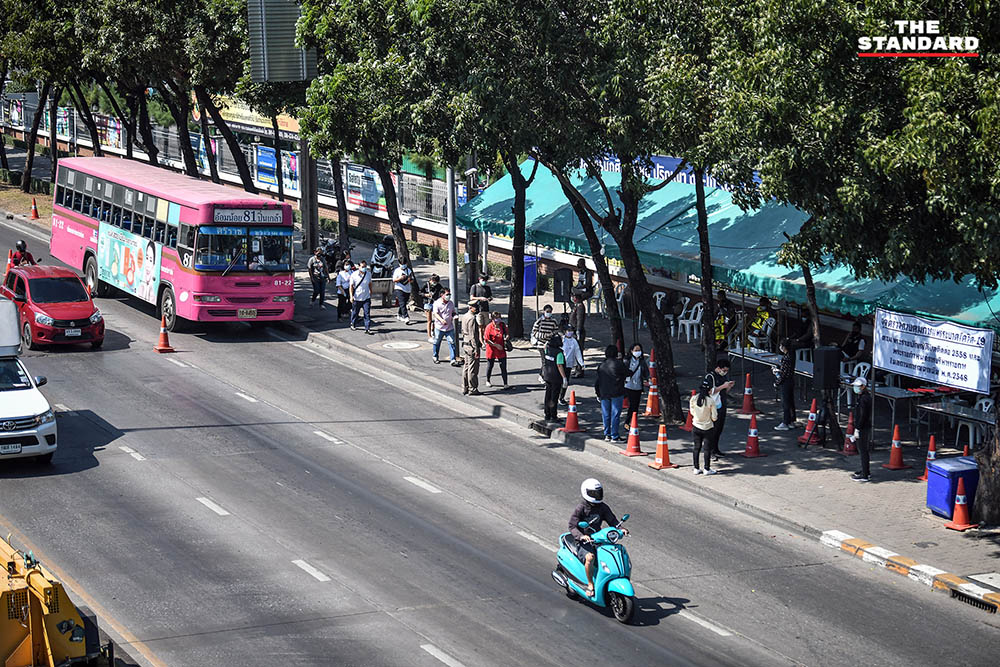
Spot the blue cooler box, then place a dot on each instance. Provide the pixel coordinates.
(942, 483)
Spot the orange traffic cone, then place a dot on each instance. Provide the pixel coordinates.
(653, 399)
(625, 404)
(662, 459)
(850, 449)
(632, 447)
(931, 455)
(753, 445)
(896, 454)
(960, 516)
(811, 436)
(164, 343)
(748, 406)
(34, 209)
(689, 422)
(10, 262)
(965, 450)
(572, 423)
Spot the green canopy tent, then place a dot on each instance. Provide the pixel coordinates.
(744, 246)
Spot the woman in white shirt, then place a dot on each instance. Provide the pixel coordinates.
(703, 416)
(343, 287)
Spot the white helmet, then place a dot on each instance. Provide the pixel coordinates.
(592, 491)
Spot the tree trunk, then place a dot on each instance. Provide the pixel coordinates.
(146, 129)
(811, 302)
(472, 267)
(343, 238)
(88, 118)
(180, 109)
(389, 189)
(277, 157)
(53, 139)
(213, 167)
(234, 146)
(32, 138)
(986, 505)
(132, 102)
(603, 272)
(3, 147)
(121, 117)
(708, 314)
(515, 309)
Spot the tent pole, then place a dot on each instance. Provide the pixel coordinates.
(743, 336)
(538, 275)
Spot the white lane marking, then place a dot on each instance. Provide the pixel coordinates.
(177, 363)
(311, 570)
(441, 655)
(422, 484)
(722, 632)
(134, 454)
(212, 506)
(537, 540)
(246, 398)
(326, 436)
(62, 408)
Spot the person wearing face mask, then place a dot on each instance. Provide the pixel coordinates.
(784, 380)
(431, 293)
(361, 297)
(402, 286)
(862, 427)
(343, 289)
(496, 338)
(544, 328)
(483, 294)
(637, 377)
(444, 326)
(554, 373)
(571, 352)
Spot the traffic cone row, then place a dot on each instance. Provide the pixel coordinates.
(662, 459)
(572, 420)
(689, 422)
(960, 515)
(748, 407)
(163, 345)
(632, 446)
(753, 444)
(811, 436)
(34, 209)
(850, 449)
(896, 454)
(931, 456)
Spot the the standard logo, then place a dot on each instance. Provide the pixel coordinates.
(917, 39)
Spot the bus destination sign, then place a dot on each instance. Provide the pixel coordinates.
(271, 216)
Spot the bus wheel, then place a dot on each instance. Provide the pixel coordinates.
(94, 284)
(168, 310)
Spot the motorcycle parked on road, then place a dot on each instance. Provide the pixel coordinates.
(612, 586)
(383, 257)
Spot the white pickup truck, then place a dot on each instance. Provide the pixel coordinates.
(27, 422)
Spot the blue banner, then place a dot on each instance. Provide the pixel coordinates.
(267, 165)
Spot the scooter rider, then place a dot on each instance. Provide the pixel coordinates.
(593, 511)
(21, 255)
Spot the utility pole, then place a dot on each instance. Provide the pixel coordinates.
(452, 236)
(308, 197)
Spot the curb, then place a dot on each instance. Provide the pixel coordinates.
(936, 579)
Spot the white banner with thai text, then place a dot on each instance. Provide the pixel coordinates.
(940, 352)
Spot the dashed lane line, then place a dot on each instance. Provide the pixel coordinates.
(61, 408)
(441, 655)
(708, 625)
(537, 540)
(319, 576)
(177, 363)
(212, 506)
(245, 397)
(416, 481)
(327, 436)
(134, 454)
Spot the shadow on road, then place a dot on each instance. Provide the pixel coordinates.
(650, 611)
(81, 434)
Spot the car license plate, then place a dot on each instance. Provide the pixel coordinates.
(246, 313)
(11, 449)
(72, 332)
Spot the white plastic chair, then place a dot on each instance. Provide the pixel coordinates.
(597, 301)
(620, 298)
(685, 313)
(657, 300)
(984, 404)
(692, 324)
(804, 355)
(860, 369)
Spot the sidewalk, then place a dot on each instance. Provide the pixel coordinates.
(809, 490)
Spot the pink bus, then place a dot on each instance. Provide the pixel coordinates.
(199, 251)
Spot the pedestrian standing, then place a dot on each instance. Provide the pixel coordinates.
(360, 287)
(319, 273)
(402, 286)
(862, 427)
(704, 416)
(444, 326)
(637, 378)
(784, 381)
(343, 289)
(471, 347)
(482, 293)
(574, 357)
(497, 340)
(544, 328)
(610, 386)
(554, 372)
(584, 285)
(431, 293)
(578, 320)
(720, 390)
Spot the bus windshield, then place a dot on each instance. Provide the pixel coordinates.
(223, 247)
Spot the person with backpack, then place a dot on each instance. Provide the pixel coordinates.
(610, 387)
(554, 374)
(544, 328)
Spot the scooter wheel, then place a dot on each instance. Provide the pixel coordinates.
(622, 606)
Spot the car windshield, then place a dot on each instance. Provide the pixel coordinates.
(221, 248)
(12, 376)
(57, 290)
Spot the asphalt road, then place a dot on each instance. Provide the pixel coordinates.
(256, 500)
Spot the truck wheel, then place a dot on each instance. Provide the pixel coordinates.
(97, 287)
(168, 310)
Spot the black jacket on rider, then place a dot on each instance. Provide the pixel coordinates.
(593, 514)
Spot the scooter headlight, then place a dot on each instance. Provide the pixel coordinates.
(614, 536)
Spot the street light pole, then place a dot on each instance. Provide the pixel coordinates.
(452, 236)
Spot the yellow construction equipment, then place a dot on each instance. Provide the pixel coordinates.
(39, 624)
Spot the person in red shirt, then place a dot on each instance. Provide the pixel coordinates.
(21, 255)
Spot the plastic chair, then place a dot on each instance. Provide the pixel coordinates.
(657, 300)
(984, 404)
(685, 313)
(859, 370)
(804, 355)
(620, 298)
(692, 324)
(763, 341)
(598, 302)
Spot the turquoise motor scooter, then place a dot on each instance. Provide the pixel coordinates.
(612, 587)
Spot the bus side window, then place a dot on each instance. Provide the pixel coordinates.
(59, 194)
(127, 222)
(77, 201)
(172, 236)
(86, 206)
(118, 220)
(161, 228)
(186, 239)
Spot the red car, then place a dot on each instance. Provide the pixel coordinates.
(54, 307)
